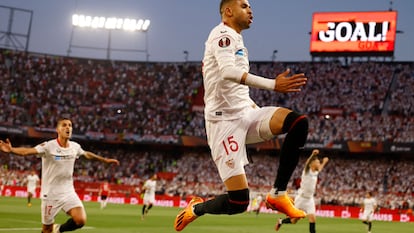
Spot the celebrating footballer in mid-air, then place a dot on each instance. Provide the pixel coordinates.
(233, 119)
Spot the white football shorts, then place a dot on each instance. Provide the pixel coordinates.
(228, 138)
(31, 189)
(50, 208)
(367, 215)
(149, 199)
(306, 204)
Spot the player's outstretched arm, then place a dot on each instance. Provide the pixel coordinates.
(314, 152)
(282, 83)
(286, 84)
(7, 147)
(90, 155)
(325, 160)
(323, 164)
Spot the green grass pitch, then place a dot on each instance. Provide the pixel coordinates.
(15, 216)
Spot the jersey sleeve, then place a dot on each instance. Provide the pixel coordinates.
(80, 152)
(224, 47)
(78, 149)
(42, 148)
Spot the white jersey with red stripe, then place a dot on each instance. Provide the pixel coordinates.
(57, 168)
(224, 99)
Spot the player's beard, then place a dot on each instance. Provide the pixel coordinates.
(244, 25)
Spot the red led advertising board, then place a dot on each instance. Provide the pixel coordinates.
(353, 33)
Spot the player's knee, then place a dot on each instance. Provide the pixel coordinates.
(79, 222)
(237, 207)
(295, 122)
(238, 201)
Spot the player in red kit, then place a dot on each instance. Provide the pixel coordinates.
(104, 191)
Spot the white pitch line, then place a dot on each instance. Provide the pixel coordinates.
(19, 221)
(32, 229)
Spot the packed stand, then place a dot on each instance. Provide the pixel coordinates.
(100, 96)
(373, 101)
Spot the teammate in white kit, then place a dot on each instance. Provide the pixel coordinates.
(256, 204)
(304, 199)
(32, 183)
(149, 188)
(57, 189)
(369, 205)
(233, 119)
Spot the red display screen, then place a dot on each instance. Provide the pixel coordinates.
(353, 33)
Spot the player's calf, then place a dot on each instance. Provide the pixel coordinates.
(71, 225)
(238, 201)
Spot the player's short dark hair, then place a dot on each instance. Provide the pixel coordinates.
(62, 118)
(222, 4)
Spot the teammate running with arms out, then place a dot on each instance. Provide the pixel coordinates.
(57, 188)
(304, 200)
(233, 120)
(32, 183)
(104, 191)
(369, 205)
(149, 188)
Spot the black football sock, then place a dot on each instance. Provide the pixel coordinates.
(232, 203)
(312, 227)
(296, 127)
(69, 225)
(286, 221)
(217, 205)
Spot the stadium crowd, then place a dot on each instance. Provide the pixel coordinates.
(369, 101)
(344, 181)
(361, 101)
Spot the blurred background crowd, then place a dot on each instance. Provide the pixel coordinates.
(371, 101)
(368, 101)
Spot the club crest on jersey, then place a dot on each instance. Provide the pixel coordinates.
(224, 42)
(230, 163)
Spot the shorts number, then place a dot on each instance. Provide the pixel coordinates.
(230, 144)
(48, 209)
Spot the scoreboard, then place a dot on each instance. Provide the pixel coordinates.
(353, 33)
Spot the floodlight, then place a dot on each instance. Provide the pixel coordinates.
(146, 25)
(98, 22)
(88, 21)
(110, 23)
(119, 23)
(139, 24)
